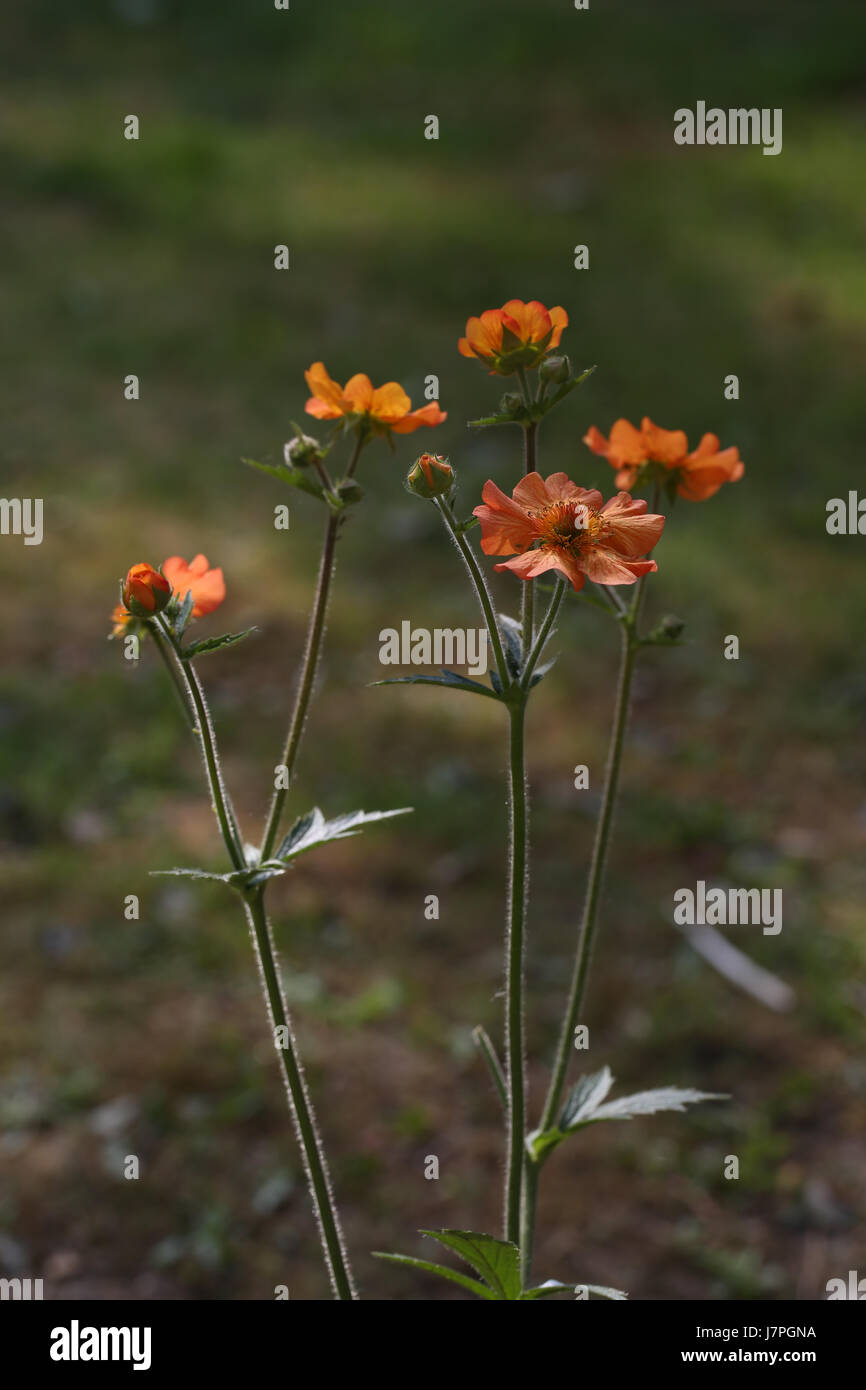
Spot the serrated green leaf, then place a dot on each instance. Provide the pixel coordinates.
(464, 1280)
(448, 678)
(188, 873)
(588, 1092)
(312, 829)
(550, 1286)
(604, 1291)
(213, 644)
(497, 1261)
(238, 878)
(295, 477)
(486, 421)
(650, 1102)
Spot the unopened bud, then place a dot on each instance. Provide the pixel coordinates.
(511, 403)
(670, 627)
(145, 591)
(430, 476)
(303, 451)
(555, 370)
(349, 490)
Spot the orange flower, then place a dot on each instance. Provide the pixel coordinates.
(207, 586)
(145, 591)
(385, 407)
(551, 523)
(517, 335)
(654, 454)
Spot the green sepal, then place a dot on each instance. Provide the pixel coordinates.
(214, 644)
(512, 636)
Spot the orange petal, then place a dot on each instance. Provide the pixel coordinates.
(559, 320)
(532, 319)
(426, 415)
(358, 392)
(627, 444)
(668, 447)
(208, 592)
(632, 531)
(388, 403)
(505, 527)
(485, 333)
(596, 441)
(531, 492)
(604, 566)
(560, 488)
(322, 386)
(322, 410)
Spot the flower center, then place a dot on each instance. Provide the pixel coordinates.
(568, 525)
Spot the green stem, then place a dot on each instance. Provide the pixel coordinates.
(180, 687)
(361, 438)
(309, 667)
(530, 433)
(312, 652)
(596, 873)
(204, 729)
(479, 584)
(527, 1218)
(543, 633)
(514, 1024)
(301, 1105)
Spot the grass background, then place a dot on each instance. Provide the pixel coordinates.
(306, 128)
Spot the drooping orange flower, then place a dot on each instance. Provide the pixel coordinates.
(207, 586)
(517, 335)
(654, 454)
(384, 407)
(145, 590)
(551, 523)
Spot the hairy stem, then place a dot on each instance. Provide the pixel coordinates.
(479, 584)
(543, 633)
(312, 652)
(592, 901)
(300, 1104)
(515, 1047)
(203, 728)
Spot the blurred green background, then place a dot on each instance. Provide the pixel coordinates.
(261, 127)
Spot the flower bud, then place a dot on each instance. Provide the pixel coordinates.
(145, 591)
(511, 403)
(349, 490)
(555, 370)
(671, 626)
(303, 451)
(430, 476)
